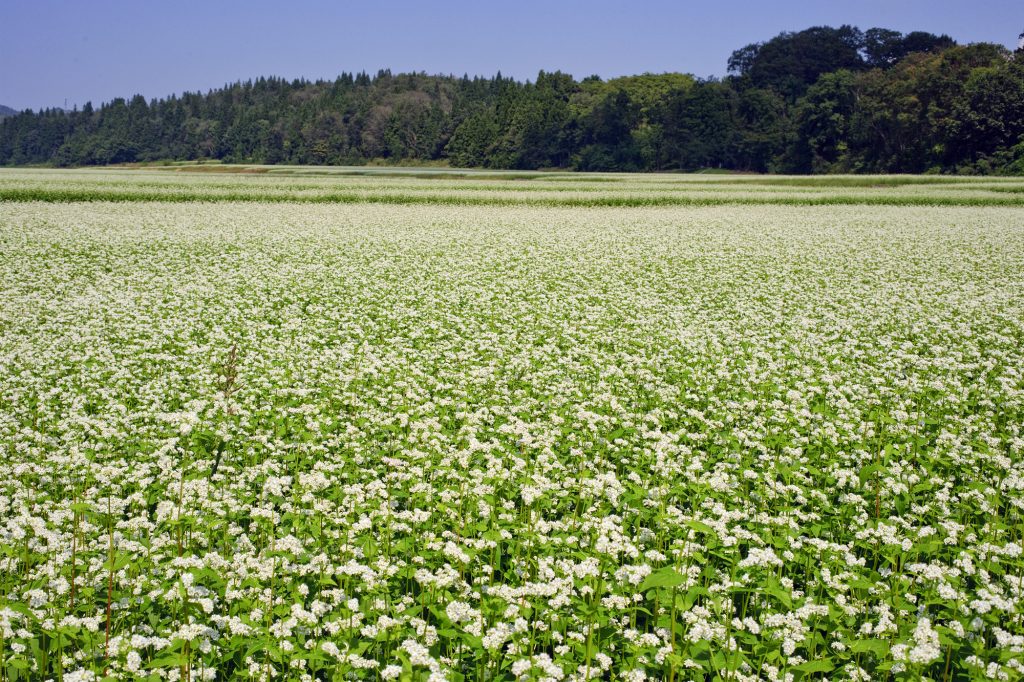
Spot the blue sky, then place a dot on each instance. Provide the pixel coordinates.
(79, 51)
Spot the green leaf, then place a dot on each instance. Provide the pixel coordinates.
(870, 470)
(171, 660)
(775, 589)
(665, 577)
(701, 527)
(692, 594)
(820, 666)
(877, 647)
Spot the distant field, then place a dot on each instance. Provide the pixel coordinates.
(291, 184)
(345, 424)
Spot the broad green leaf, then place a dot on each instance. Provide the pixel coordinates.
(878, 647)
(665, 577)
(775, 589)
(819, 666)
(870, 470)
(700, 527)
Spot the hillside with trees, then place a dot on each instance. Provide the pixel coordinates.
(821, 100)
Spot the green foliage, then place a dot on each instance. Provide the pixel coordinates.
(821, 100)
(790, 62)
(929, 111)
(823, 123)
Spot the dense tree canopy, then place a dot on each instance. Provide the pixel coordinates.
(819, 100)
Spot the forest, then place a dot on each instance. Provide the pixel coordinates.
(820, 100)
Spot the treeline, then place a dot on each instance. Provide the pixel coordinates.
(815, 101)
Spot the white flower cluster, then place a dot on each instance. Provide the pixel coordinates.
(445, 441)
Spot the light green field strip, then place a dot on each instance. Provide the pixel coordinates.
(413, 187)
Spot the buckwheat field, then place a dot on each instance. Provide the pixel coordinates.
(439, 426)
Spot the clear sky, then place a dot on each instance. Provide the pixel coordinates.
(96, 50)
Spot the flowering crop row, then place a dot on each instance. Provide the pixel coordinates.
(258, 441)
(604, 190)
